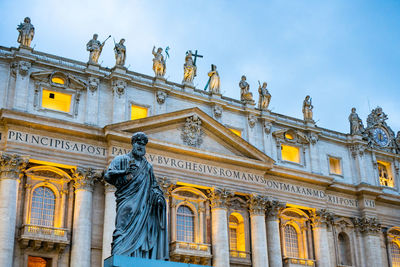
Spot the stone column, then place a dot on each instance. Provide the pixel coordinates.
(320, 221)
(273, 235)
(219, 226)
(257, 206)
(370, 230)
(110, 213)
(82, 226)
(11, 166)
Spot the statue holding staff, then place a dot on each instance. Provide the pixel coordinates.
(95, 47)
(307, 109)
(120, 53)
(26, 32)
(159, 66)
(140, 223)
(214, 80)
(189, 68)
(264, 96)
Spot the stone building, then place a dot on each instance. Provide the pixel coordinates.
(245, 187)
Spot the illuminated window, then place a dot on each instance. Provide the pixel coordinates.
(56, 100)
(385, 177)
(138, 112)
(290, 153)
(395, 254)
(42, 209)
(344, 249)
(237, 132)
(289, 136)
(237, 243)
(185, 224)
(57, 80)
(334, 166)
(38, 262)
(291, 242)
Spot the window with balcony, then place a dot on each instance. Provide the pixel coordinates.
(138, 112)
(42, 209)
(344, 249)
(395, 254)
(291, 241)
(385, 175)
(185, 224)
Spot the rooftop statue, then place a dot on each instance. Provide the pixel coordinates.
(95, 47)
(189, 68)
(307, 109)
(214, 80)
(159, 66)
(264, 96)
(26, 32)
(356, 125)
(120, 53)
(140, 224)
(245, 94)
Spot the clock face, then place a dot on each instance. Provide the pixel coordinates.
(380, 136)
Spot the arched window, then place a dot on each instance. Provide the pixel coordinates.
(291, 242)
(237, 243)
(344, 249)
(42, 209)
(185, 224)
(395, 254)
(233, 228)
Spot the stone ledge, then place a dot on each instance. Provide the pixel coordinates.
(125, 261)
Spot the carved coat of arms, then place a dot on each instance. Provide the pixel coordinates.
(192, 132)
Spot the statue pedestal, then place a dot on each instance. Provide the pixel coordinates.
(187, 87)
(91, 66)
(125, 261)
(119, 69)
(25, 49)
(159, 80)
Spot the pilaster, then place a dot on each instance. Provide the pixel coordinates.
(259, 246)
(219, 199)
(11, 169)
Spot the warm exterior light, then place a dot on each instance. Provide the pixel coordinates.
(58, 80)
(334, 166)
(289, 136)
(56, 100)
(237, 132)
(138, 112)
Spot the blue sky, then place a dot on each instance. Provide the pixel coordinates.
(343, 53)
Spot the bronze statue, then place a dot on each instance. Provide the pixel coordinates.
(120, 53)
(189, 68)
(26, 32)
(264, 96)
(307, 109)
(158, 62)
(214, 80)
(245, 94)
(356, 125)
(140, 224)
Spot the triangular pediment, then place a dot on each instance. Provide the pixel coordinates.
(193, 131)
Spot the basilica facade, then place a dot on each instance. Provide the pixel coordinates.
(244, 186)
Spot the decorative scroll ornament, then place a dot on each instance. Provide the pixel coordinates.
(217, 110)
(24, 67)
(12, 165)
(85, 177)
(118, 87)
(267, 127)
(93, 84)
(220, 197)
(252, 121)
(161, 96)
(257, 204)
(192, 132)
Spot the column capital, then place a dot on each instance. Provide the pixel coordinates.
(84, 178)
(166, 185)
(321, 218)
(109, 188)
(367, 225)
(12, 165)
(220, 197)
(273, 209)
(257, 204)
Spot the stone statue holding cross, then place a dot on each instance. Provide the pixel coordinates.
(189, 69)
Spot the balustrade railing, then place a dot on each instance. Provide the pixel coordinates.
(45, 233)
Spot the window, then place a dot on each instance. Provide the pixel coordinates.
(56, 100)
(138, 112)
(291, 242)
(38, 262)
(237, 243)
(395, 254)
(290, 153)
(233, 224)
(57, 80)
(185, 224)
(42, 209)
(385, 177)
(237, 132)
(335, 166)
(344, 249)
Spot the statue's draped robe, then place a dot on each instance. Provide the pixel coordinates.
(214, 81)
(140, 224)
